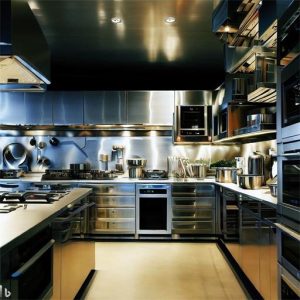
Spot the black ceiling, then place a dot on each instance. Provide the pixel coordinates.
(88, 51)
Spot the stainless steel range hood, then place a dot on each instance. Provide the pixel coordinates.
(24, 55)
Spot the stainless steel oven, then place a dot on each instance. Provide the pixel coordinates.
(289, 95)
(289, 250)
(289, 185)
(288, 242)
(26, 270)
(153, 209)
(288, 285)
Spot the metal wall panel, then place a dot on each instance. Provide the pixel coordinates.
(67, 108)
(38, 109)
(150, 107)
(12, 108)
(104, 107)
(193, 98)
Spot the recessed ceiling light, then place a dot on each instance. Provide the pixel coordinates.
(170, 20)
(116, 20)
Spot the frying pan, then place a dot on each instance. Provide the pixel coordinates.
(14, 155)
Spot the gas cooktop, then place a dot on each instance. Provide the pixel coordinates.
(31, 197)
(80, 174)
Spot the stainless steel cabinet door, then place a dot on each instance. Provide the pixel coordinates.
(67, 108)
(38, 108)
(12, 108)
(104, 107)
(150, 107)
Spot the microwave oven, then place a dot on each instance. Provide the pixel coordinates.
(289, 102)
(192, 123)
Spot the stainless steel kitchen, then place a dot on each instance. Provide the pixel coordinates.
(150, 149)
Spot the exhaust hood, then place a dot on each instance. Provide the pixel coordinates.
(23, 50)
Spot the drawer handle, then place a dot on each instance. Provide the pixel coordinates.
(33, 259)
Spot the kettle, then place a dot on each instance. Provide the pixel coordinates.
(256, 164)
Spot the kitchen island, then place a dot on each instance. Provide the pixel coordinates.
(22, 223)
(31, 264)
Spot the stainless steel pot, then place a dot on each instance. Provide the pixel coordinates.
(80, 167)
(273, 189)
(199, 170)
(136, 162)
(256, 164)
(135, 172)
(251, 182)
(227, 174)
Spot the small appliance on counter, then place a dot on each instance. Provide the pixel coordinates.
(136, 167)
(255, 178)
(118, 154)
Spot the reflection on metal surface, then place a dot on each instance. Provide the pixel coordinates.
(161, 40)
(87, 150)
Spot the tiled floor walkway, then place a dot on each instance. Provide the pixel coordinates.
(162, 271)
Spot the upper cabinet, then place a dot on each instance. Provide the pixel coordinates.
(67, 108)
(38, 108)
(150, 107)
(104, 107)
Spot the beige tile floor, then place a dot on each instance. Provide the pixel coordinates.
(164, 271)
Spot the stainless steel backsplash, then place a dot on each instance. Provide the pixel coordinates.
(80, 150)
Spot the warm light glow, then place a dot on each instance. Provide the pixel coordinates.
(170, 20)
(116, 20)
(227, 28)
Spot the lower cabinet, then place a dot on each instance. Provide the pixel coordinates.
(72, 262)
(255, 251)
(193, 209)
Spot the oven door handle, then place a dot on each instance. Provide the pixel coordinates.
(290, 154)
(33, 259)
(291, 282)
(74, 213)
(288, 231)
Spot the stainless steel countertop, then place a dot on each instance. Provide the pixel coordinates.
(18, 224)
(260, 194)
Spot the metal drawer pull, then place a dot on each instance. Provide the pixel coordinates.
(74, 213)
(292, 285)
(33, 259)
(290, 154)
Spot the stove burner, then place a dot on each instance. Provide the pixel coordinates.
(30, 197)
(78, 174)
(10, 174)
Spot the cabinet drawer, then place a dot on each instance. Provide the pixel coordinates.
(193, 227)
(115, 225)
(112, 189)
(115, 213)
(113, 201)
(186, 213)
(184, 190)
(199, 202)
(205, 190)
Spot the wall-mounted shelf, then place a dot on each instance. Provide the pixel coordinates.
(255, 136)
(265, 93)
(86, 130)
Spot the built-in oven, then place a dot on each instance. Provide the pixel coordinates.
(288, 242)
(290, 101)
(153, 209)
(288, 185)
(288, 285)
(289, 250)
(193, 123)
(26, 270)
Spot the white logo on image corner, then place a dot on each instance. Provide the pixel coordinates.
(7, 293)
